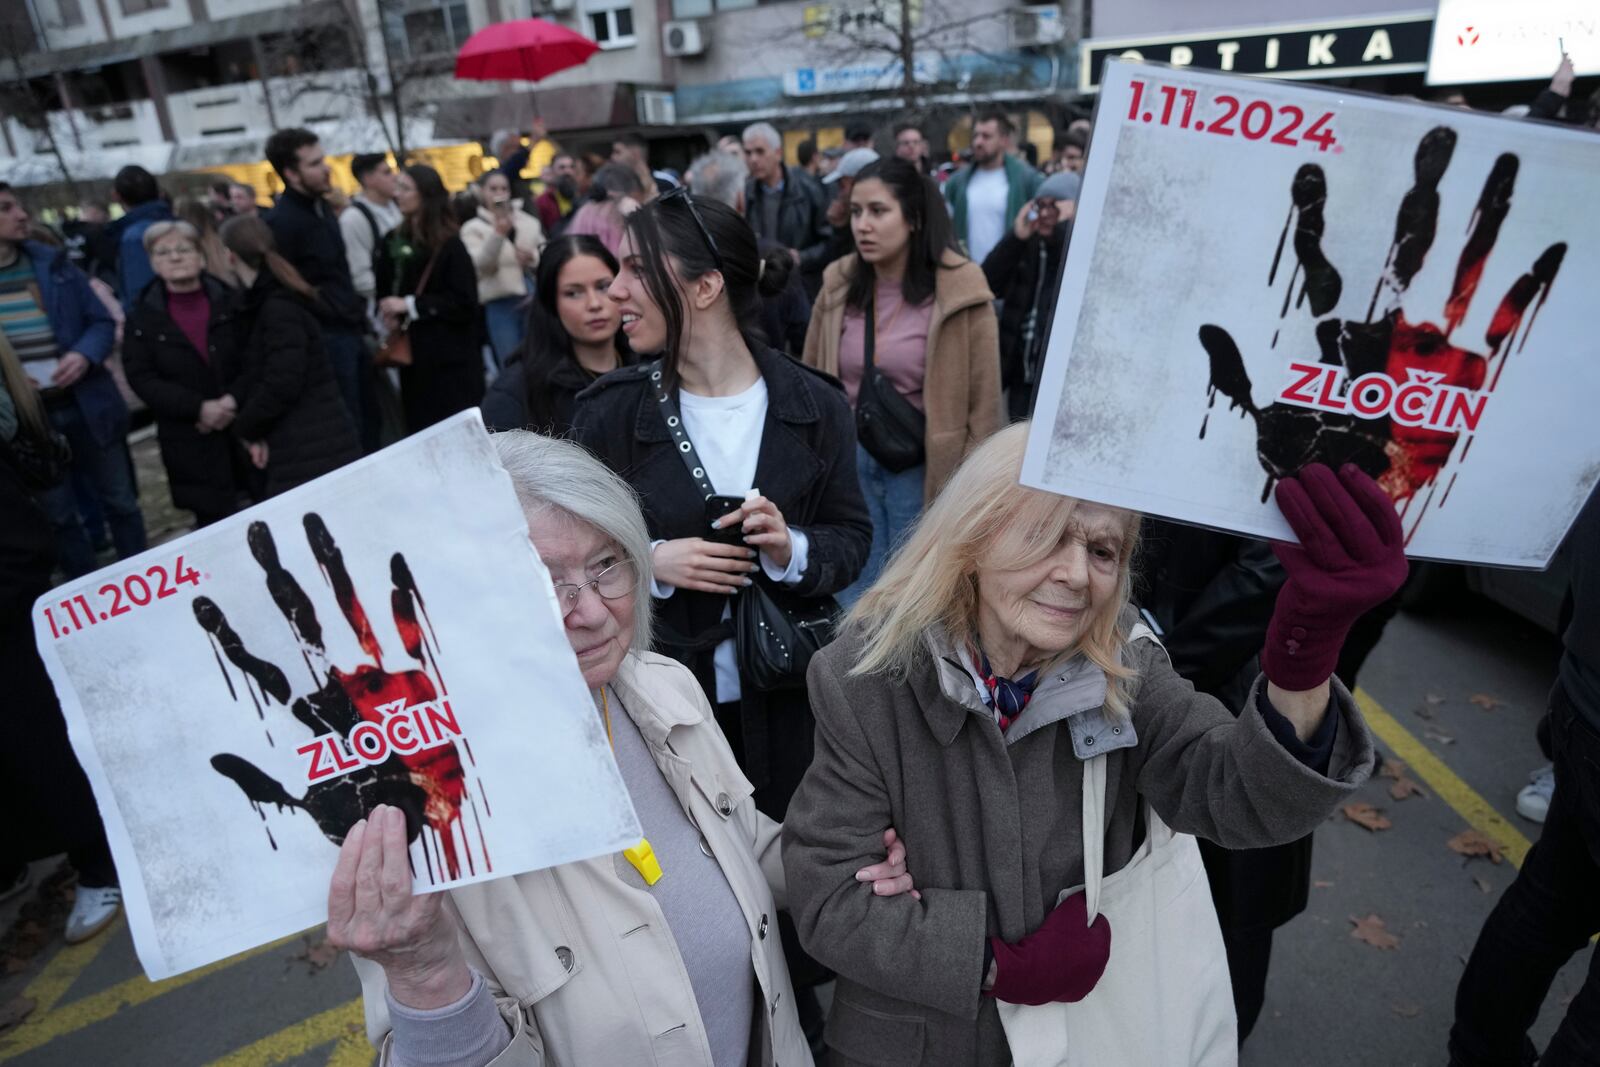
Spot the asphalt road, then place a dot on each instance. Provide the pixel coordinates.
(1332, 1000)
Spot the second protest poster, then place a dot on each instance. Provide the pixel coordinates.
(1264, 275)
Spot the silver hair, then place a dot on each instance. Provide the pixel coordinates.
(160, 229)
(767, 132)
(548, 473)
(718, 176)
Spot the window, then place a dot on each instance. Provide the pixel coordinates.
(609, 25)
(694, 9)
(139, 7)
(71, 13)
(428, 29)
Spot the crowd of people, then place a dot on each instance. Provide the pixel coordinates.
(756, 401)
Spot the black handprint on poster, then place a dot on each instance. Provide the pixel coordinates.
(343, 708)
(1264, 275)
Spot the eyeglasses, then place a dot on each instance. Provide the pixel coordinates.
(613, 583)
(681, 192)
(173, 252)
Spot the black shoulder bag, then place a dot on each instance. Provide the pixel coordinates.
(775, 632)
(888, 425)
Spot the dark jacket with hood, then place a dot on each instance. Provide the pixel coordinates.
(173, 379)
(279, 373)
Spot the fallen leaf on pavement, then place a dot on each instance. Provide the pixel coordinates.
(1485, 701)
(1482, 884)
(1471, 843)
(1434, 699)
(1435, 735)
(1407, 1010)
(1405, 787)
(15, 1010)
(1367, 816)
(1322, 885)
(1392, 768)
(1374, 931)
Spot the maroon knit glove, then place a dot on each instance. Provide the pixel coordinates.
(1060, 961)
(1351, 558)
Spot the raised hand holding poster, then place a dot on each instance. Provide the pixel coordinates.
(1264, 275)
(387, 634)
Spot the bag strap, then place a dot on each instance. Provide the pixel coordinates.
(372, 221)
(680, 436)
(1094, 811)
(869, 338)
(427, 272)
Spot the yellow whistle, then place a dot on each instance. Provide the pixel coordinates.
(643, 859)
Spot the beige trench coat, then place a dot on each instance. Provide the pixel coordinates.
(581, 975)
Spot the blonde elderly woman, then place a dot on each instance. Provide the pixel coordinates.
(585, 963)
(994, 657)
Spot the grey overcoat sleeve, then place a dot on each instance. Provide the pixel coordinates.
(929, 951)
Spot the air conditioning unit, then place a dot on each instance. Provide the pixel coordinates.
(1037, 25)
(655, 107)
(556, 5)
(685, 37)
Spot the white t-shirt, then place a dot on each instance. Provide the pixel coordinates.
(726, 431)
(987, 193)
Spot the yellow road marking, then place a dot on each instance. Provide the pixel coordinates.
(52, 983)
(42, 1028)
(353, 1049)
(1466, 801)
(335, 1024)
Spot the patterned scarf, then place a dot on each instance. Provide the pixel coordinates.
(1006, 697)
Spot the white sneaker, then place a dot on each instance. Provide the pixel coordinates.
(92, 911)
(1533, 802)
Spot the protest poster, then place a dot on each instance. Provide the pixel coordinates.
(386, 634)
(1262, 275)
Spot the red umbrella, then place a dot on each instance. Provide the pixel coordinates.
(524, 50)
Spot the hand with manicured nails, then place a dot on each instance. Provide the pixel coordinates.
(1062, 961)
(1351, 558)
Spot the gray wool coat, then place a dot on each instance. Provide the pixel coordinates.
(992, 823)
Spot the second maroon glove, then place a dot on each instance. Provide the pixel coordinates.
(1351, 558)
(1060, 961)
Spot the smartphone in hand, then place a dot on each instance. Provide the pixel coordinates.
(716, 507)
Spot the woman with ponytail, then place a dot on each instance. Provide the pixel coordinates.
(775, 500)
(290, 413)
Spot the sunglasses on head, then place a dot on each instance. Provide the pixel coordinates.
(681, 192)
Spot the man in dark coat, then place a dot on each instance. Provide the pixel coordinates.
(1210, 596)
(1025, 270)
(306, 232)
(786, 205)
(205, 468)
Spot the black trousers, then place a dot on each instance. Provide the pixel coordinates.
(1545, 916)
(49, 806)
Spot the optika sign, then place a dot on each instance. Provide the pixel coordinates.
(1395, 45)
(1422, 400)
(403, 732)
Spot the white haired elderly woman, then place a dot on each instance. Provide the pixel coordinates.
(971, 689)
(591, 962)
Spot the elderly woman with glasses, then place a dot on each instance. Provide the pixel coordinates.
(992, 671)
(173, 346)
(611, 960)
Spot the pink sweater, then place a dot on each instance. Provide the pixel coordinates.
(901, 344)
